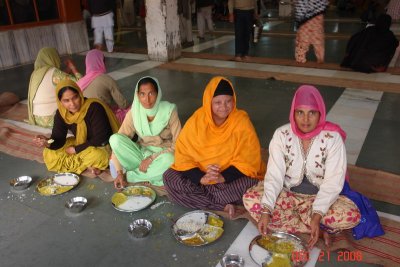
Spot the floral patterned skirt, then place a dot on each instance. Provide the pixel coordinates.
(293, 211)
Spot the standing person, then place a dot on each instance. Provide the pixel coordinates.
(217, 154)
(97, 84)
(42, 103)
(309, 16)
(157, 126)
(305, 188)
(90, 121)
(242, 13)
(204, 14)
(185, 22)
(371, 49)
(103, 22)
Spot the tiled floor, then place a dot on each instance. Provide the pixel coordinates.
(35, 230)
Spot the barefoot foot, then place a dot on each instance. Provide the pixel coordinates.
(234, 211)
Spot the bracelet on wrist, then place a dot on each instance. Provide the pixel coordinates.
(266, 211)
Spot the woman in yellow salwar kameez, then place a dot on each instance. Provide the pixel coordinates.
(90, 121)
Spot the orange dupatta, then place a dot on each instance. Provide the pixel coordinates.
(234, 143)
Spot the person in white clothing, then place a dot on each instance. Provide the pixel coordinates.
(103, 22)
(306, 171)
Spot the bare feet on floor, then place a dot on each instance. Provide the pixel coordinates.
(234, 211)
(94, 171)
(327, 239)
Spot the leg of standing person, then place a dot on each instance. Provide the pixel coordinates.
(302, 44)
(200, 23)
(248, 23)
(188, 24)
(109, 32)
(238, 34)
(317, 37)
(98, 36)
(208, 17)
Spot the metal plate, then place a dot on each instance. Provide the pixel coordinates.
(262, 255)
(138, 197)
(48, 187)
(198, 228)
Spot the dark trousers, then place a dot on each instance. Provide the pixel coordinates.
(243, 28)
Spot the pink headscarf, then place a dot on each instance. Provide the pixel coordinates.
(309, 96)
(94, 67)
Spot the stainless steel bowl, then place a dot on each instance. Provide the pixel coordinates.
(140, 228)
(232, 260)
(21, 183)
(76, 204)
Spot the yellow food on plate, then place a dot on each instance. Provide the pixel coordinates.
(286, 247)
(211, 233)
(133, 191)
(215, 221)
(195, 240)
(279, 260)
(50, 190)
(268, 242)
(147, 192)
(118, 198)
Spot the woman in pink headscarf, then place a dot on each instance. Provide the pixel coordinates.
(97, 84)
(305, 175)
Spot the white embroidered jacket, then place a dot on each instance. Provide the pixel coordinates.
(324, 165)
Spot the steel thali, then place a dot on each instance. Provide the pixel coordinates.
(198, 228)
(278, 249)
(57, 184)
(133, 198)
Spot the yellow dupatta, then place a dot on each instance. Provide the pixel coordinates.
(79, 117)
(235, 142)
(47, 58)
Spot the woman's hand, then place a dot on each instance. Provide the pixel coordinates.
(213, 170)
(144, 165)
(263, 223)
(120, 181)
(70, 150)
(41, 141)
(70, 66)
(212, 176)
(314, 234)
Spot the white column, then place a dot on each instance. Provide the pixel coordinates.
(162, 30)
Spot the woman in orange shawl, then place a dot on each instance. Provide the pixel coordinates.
(217, 154)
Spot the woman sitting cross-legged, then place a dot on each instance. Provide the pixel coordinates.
(157, 125)
(90, 121)
(217, 154)
(304, 188)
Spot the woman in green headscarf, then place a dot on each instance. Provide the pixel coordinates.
(42, 104)
(157, 126)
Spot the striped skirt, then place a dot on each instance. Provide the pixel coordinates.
(210, 197)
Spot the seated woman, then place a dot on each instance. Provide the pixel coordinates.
(217, 155)
(97, 84)
(90, 121)
(305, 176)
(371, 49)
(157, 126)
(42, 103)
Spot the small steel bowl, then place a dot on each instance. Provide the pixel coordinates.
(21, 183)
(140, 228)
(76, 204)
(232, 260)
